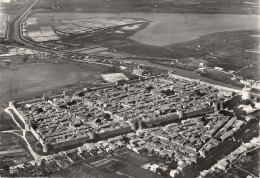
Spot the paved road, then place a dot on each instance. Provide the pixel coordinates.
(17, 24)
(17, 34)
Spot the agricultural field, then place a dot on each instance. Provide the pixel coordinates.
(93, 25)
(21, 84)
(79, 33)
(248, 162)
(3, 21)
(11, 7)
(125, 164)
(6, 122)
(12, 151)
(8, 9)
(38, 30)
(222, 49)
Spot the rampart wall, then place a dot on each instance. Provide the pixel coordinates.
(11, 106)
(222, 89)
(36, 135)
(99, 136)
(125, 130)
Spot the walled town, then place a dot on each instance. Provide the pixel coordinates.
(163, 116)
(70, 117)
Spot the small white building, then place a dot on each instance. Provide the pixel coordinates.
(219, 68)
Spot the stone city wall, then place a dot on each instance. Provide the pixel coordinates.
(36, 135)
(11, 106)
(98, 136)
(222, 89)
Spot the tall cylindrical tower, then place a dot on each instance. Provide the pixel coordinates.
(11, 104)
(45, 147)
(92, 135)
(221, 105)
(28, 126)
(246, 93)
(215, 105)
(180, 114)
(133, 125)
(140, 124)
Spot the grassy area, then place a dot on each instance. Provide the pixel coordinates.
(9, 142)
(249, 162)
(223, 49)
(80, 170)
(6, 122)
(13, 8)
(251, 72)
(220, 76)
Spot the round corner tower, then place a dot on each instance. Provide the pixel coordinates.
(246, 93)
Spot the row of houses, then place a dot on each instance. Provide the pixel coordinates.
(46, 166)
(151, 99)
(224, 163)
(184, 142)
(221, 131)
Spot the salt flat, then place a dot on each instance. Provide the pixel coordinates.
(170, 28)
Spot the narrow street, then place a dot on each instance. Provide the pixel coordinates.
(245, 171)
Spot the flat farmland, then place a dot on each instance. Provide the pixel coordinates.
(90, 26)
(39, 30)
(31, 79)
(81, 170)
(13, 7)
(13, 150)
(251, 72)
(6, 122)
(95, 50)
(9, 9)
(3, 21)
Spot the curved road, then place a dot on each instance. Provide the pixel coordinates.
(17, 34)
(17, 23)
